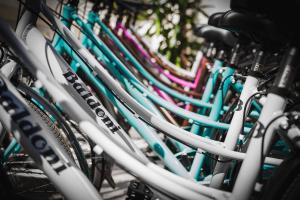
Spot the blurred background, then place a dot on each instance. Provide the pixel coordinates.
(166, 25)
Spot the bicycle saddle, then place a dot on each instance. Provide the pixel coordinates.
(260, 29)
(214, 34)
(215, 19)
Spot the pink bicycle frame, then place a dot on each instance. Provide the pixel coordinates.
(183, 83)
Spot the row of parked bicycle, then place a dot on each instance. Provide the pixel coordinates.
(227, 128)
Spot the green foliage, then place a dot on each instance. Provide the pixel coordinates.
(174, 20)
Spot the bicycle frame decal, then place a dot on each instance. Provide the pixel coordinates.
(239, 105)
(23, 119)
(91, 100)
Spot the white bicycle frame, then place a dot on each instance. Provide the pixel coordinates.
(274, 107)
(250, 88)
